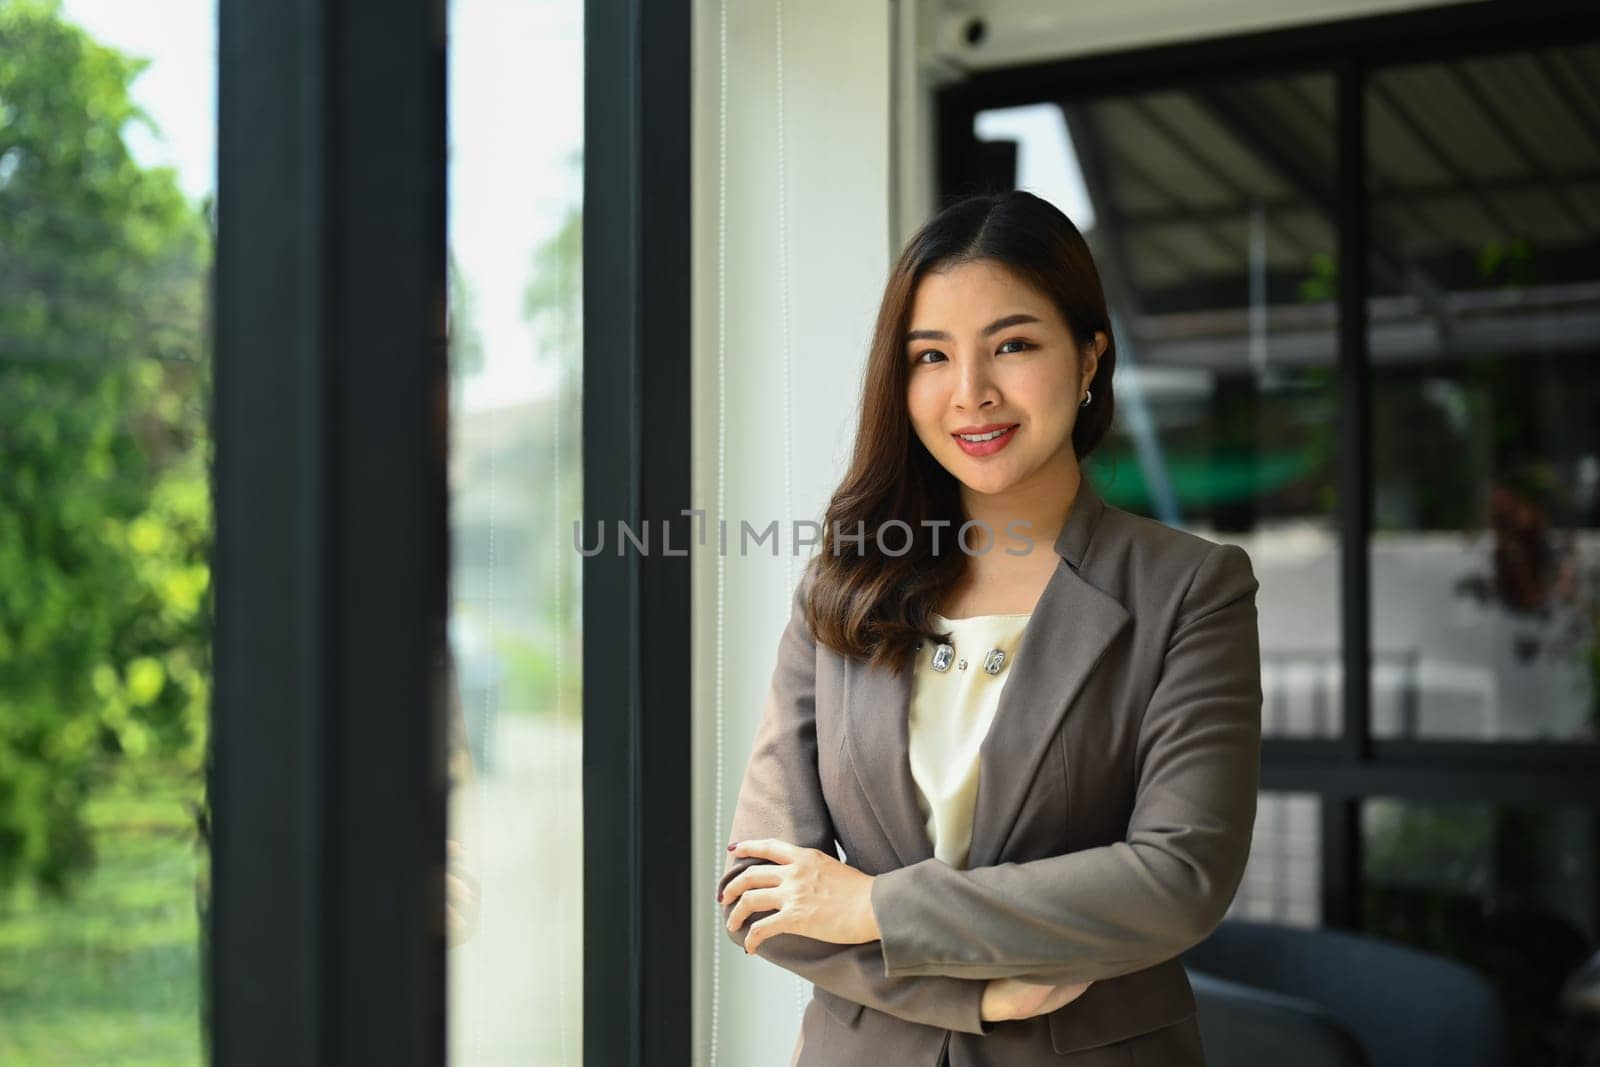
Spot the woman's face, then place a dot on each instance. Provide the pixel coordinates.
(985, 352)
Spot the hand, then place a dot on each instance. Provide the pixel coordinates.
(1013, 998)
(460, 896)
(814, 894)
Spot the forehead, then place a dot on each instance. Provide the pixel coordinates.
(968, 292)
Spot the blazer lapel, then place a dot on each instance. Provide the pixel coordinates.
(1071, 628)
(1072, 625)
(876, 706)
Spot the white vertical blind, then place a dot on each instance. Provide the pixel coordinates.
(791, 204)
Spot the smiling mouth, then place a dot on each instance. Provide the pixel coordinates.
(990, 443)
(979, 438)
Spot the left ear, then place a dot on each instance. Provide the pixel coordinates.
(1091, 356)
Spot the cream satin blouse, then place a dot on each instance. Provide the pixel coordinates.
(950, 712)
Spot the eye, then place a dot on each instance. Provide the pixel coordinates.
(1023, 347)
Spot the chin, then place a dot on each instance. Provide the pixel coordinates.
(989, 483)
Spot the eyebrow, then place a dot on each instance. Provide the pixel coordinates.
(994, 327)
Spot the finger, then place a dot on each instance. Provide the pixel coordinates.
(762, 930)
(737, 916)
(753, 901)
(748, 879)
(1062, 995)
(768, 848)
(458, 888)
(764, 874)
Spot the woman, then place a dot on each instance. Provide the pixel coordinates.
(1041, 762)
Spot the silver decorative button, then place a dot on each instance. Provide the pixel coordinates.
(942, 656)
(993, 660)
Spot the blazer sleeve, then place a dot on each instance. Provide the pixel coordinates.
(781, 797)
(1102, 912)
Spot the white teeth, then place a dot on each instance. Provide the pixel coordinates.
(976, 438)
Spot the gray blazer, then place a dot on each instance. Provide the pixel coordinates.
(1115, 805)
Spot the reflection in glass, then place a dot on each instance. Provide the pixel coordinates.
(515, 224)
(1209, 212)
(1511, 892)
(1486, 448)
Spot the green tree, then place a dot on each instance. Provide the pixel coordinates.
(105, 513)
(552, 305)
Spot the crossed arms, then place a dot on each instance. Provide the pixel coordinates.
(1082, 916)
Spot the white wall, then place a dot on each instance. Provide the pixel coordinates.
(817, 268)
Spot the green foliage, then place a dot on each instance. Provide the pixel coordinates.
(1508, 264)
(1322, 283)
(105, 514)
(466, 343)
(112, 974)
(552, 303)
(530, 685)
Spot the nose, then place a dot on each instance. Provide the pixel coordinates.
(975, 387)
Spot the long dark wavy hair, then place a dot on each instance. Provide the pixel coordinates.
(866, 603)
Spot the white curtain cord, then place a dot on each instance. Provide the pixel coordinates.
(801, 994)
(718, 846)
(491, 692)
(558, 551)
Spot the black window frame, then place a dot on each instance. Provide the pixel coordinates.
(331, 560)
(637, 402)
(331, 407)
(1346, 770)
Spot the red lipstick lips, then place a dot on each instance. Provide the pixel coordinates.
(987, 447)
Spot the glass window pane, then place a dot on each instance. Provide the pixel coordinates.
(1208, 211)
(1283, 880)
(1509, 891)
(1485, 277)
(105, 530)
(516, 224)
